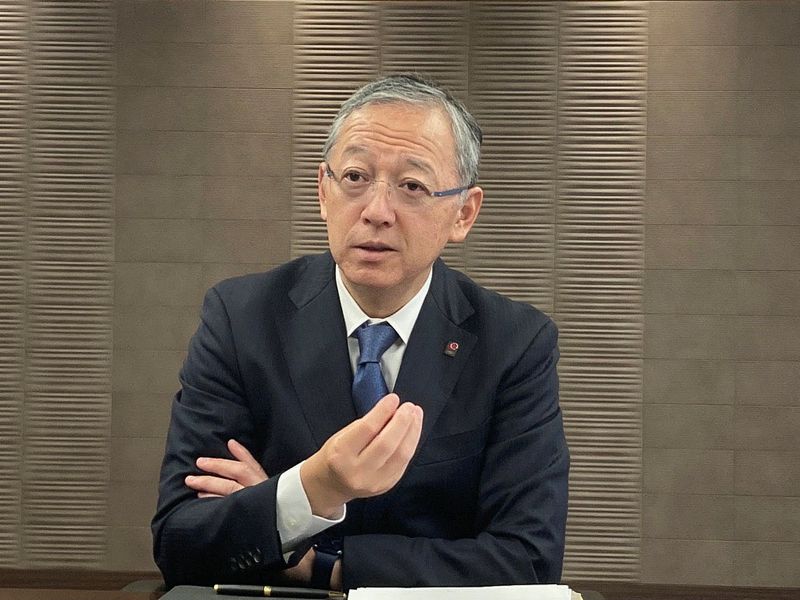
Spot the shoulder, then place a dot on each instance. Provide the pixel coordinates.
(272, 288)
(497, 318)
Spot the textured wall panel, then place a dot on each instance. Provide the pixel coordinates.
(13, 203)
(68, 271)
(512, 92)
(599, 261)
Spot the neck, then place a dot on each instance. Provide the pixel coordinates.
(377, 304)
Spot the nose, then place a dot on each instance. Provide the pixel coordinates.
(378, 209)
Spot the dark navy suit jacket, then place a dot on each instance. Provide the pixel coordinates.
(484, 500)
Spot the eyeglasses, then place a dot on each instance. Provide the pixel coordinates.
(355, 185)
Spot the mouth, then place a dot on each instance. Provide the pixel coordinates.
(374, 247)
(373, 251)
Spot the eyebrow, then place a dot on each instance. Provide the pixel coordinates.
(357, 150)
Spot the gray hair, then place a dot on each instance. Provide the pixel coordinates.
(413, 89)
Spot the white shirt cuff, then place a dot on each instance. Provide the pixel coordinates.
(295, 521)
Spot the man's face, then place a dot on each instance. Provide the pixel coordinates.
(384, 247)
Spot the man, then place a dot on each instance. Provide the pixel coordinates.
(287, 458)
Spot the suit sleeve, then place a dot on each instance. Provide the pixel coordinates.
(522, 503)
(213, 539)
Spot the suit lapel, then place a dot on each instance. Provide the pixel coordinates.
(429, 373)
(316, 351)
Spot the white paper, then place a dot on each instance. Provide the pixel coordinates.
(500, 592)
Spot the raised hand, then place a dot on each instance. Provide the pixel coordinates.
(366, 458)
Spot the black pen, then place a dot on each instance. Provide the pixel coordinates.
(267, 591)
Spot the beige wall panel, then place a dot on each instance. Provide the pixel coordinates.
(691, 23)
(767, 472)
(213, 273)
(768, 383)
(772, 157)
(693, 113)
(771, 67)
(140, 414)
(691, 247)
(768, 292)
(158, 240)
(694, 157)
(774, 113)
(204, 128)
(669, 470)
(245, 241)
(688, 516)
(761, 428)
(158, 196)
(159, 21)
(772, 564)
(136, 459)
(689, 381)
(249, 22)
(158, 284)
(769, 203)
(764, 518)
(682, 291)
(150, 371)
(690, 336)
(707, 68)
(695, 202)
(768, 338)
(153, 327)
(131, 503)
(246, 197)
(703, 562)
(680, 426)
(130, 549)
(161, 152)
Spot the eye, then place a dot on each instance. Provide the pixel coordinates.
(415, 188)
(354, 177)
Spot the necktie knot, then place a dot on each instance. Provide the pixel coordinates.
(373, 341)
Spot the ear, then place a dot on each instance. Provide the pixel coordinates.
(323, 199)
(467, 214)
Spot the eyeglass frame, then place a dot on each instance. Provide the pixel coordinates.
(443, 194)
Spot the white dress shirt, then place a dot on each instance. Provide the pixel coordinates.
(295, 521)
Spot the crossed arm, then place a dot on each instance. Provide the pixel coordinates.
(366, 458)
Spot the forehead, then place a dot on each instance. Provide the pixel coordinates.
(403, 132)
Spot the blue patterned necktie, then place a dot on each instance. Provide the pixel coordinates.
(368, 383)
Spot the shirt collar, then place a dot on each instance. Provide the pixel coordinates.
(403, 320)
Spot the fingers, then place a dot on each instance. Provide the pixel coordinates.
(226, 476)
(361, 432)
(397, 438)
(208, 485)
(363, 460)
(243, 455)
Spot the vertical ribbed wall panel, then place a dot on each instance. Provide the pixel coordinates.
(512, 83)
(68, 371)
(599, 259)
(336, 51)
(13, 202)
